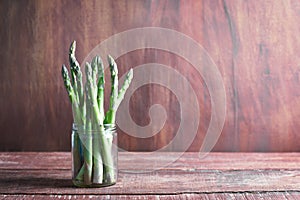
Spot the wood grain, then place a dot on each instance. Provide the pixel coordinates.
(255, 45)
(243, 196)
(37, 175)
(158, 182)
(187, 160)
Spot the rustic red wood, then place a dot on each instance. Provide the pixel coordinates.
(216, 176)
(255, 45)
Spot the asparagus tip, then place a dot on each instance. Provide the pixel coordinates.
(64, 71)
(110, 60)
(73, 47)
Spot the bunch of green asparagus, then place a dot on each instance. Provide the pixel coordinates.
(94, 162)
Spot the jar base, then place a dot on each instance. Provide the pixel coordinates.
(93, 185)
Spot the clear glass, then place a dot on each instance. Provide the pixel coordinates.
(94, 156)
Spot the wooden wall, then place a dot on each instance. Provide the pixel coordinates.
(255, 44)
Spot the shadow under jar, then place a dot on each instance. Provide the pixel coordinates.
(94, 156)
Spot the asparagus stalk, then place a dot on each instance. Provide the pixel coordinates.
(71, 93)
(67, 82)
(116, 97)
(115, 100)
(94, 66)
(100, 102)
(110, 117)
(124, 88)
(101, 82)
(76, 116)
(88, 148)
(111, 113)
(78, 90)
(97, 159)
(77, 80)
(73, 70)
(88, 151)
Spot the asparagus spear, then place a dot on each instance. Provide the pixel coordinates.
(94, 66)
(124, 87)
(88, 150)
(100, 102)
(76, 115)
(101, 82)
(87, 141)
(111, 113)
(116, 97)
(73, 69)
(71, 93)
(97, 159)
(77, 81)
(78, 90)
(67, 82)
(115, 100)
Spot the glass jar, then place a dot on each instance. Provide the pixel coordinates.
(94, 156)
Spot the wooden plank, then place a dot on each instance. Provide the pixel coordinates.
(159, 182)
(146, 161)
(222, 161)
(218, 176)
(35, 160)
(218, 196)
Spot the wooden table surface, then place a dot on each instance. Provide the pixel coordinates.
(33, 175)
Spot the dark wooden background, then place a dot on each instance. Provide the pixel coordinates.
(255, 44)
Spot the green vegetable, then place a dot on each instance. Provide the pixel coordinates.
(116, 96)
(77, 83)
(95, 163)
